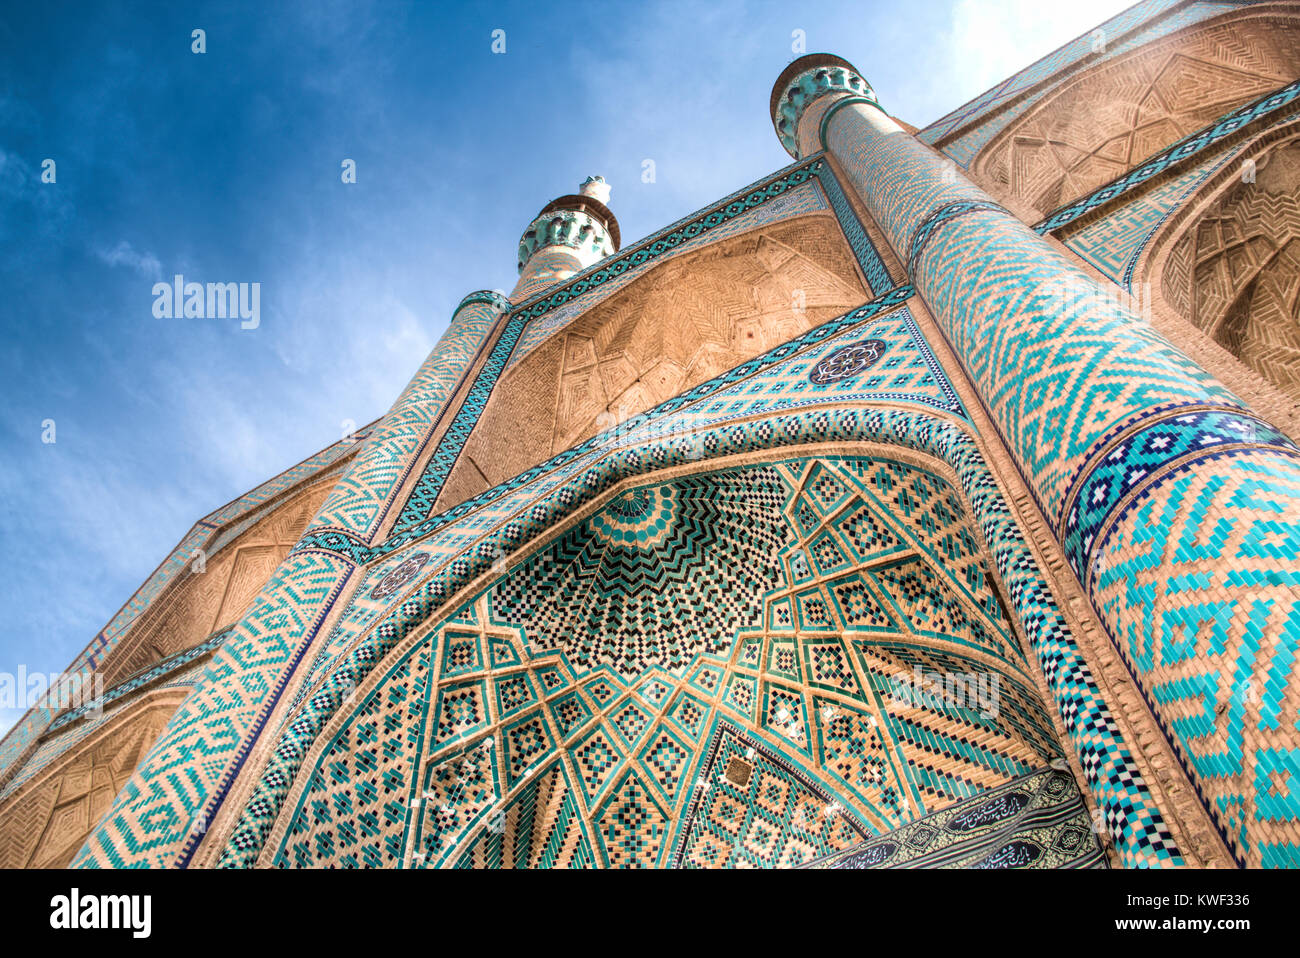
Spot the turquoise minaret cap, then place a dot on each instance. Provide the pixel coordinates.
(805, 80)
(580, 221)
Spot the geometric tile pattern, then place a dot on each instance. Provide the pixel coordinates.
(632, 751)
(1190, 145)
(1099, 126)
(155, 813)
(210, 534)
(773, 816)
(1134, 825)
(908, 372)
(1196, 581)
(554, 720)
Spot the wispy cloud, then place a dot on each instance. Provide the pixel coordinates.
(124, 254)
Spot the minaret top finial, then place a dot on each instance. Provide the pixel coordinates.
(579, 221)
(596, 188)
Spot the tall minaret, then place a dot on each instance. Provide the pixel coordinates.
(1170, 499)
(568, 235)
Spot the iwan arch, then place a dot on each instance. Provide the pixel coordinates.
(646, 564)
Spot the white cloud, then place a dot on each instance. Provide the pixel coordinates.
(124, 254)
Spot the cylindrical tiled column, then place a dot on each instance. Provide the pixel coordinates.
(357, 504)
(566, 237)
(161, 815)
(1178, 509)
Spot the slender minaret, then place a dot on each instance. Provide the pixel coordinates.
(1177, 508)
(160, 820)
(568, 235)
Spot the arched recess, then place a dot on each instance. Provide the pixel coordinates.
(1114, 779)
(45, 821)
(1229, 261)
(200, 603)
(679, 324)
(1100, 124)
(757, 627)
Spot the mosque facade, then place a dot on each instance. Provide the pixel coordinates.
(933, 501)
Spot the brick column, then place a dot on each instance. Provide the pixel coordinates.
(1177, 508)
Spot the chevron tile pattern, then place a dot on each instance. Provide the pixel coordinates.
(1101, 412)
(1196, 579)
(209, 534)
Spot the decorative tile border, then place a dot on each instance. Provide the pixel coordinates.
(361, 553)
(1126, 466)
(165, 667)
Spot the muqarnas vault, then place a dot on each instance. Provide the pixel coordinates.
(933, 501)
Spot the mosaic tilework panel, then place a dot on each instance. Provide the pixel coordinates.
(758, 810)
(1196, 580)
(168, 665)
(907, 372)
(699, 550)
(541, 828)
(1274, 103)
(1057, 362)
(151, 820)
(1035, 822)
(1133, 822)
(362, 782)
(1106, 378)
(357, 502)
(55, 746)
(1115, 242)
(632, 748)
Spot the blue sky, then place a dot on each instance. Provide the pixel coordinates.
(225, 167)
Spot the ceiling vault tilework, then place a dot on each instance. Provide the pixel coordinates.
(620, 698)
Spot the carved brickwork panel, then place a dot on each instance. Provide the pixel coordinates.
(1235, 271)
(1115, 115)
